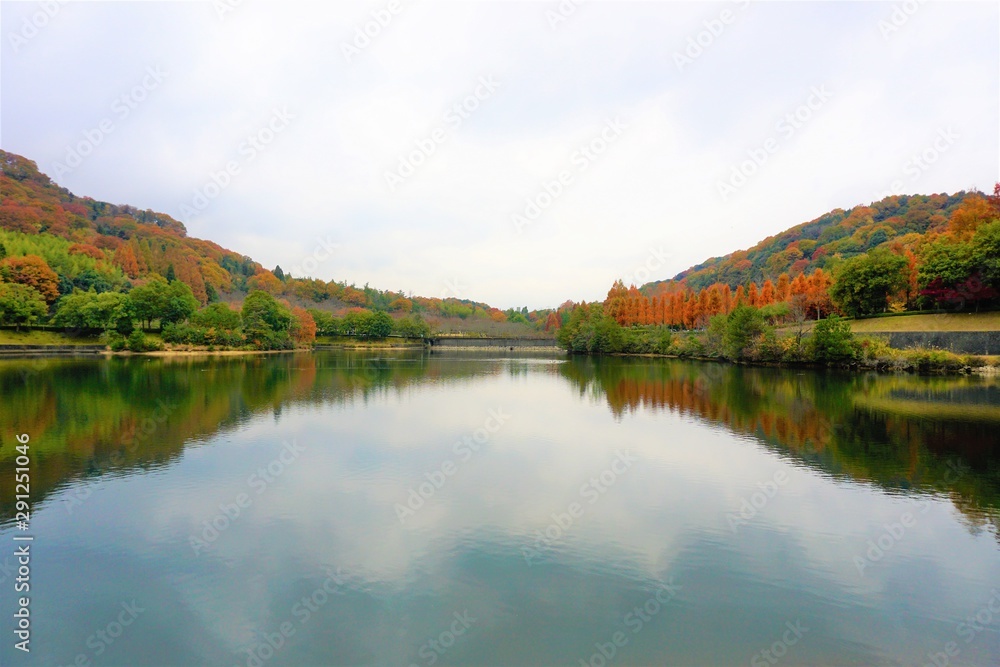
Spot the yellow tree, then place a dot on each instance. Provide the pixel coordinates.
(969, 215)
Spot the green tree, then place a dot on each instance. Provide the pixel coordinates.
(832, 339)
(90, 310)
(91, 279)
(180, 303)
(412, 327)
(607, 335)
(171, 274)
(218, 316)
(378, 326)
(20, 304)
(355, 323)
(743, 325)
(588, 329)
(326, 323)
(149, 300)
(716, 332)
(986, 253)
(946, 260)
(865, 283)
(266, 321)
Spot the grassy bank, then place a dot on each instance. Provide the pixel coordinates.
(936, 322)
(36, 337)
(352, 343)
(157, 343)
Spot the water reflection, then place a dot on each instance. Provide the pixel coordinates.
(372, 502)
(901, 431)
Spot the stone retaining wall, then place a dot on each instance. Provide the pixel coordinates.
(959, 342)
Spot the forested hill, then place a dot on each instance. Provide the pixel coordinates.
(112, 248)
(900, 221)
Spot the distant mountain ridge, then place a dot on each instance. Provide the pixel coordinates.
(821, 243)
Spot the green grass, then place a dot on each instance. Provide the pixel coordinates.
(939, 322)
(10, 337)
(919, 322)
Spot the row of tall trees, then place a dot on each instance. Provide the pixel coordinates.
(690, 309)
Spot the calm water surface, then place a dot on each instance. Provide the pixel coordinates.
(406, 509)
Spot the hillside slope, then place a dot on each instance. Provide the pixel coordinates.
(821, 243)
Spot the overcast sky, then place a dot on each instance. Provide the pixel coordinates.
(627, 124)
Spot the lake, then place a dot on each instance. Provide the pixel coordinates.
(404, 508)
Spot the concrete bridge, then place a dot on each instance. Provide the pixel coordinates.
(459, 343)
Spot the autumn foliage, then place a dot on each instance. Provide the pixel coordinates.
(33, 271)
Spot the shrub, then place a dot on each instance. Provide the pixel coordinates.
(934, 360)
(832, 340)
(743, 325)
(766, 347)
(138, 342)
(875, 348)
(113, 340)
(266, 322)
(689, 345)
(974, 361)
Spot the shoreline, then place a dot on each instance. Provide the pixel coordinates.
(879, 366)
